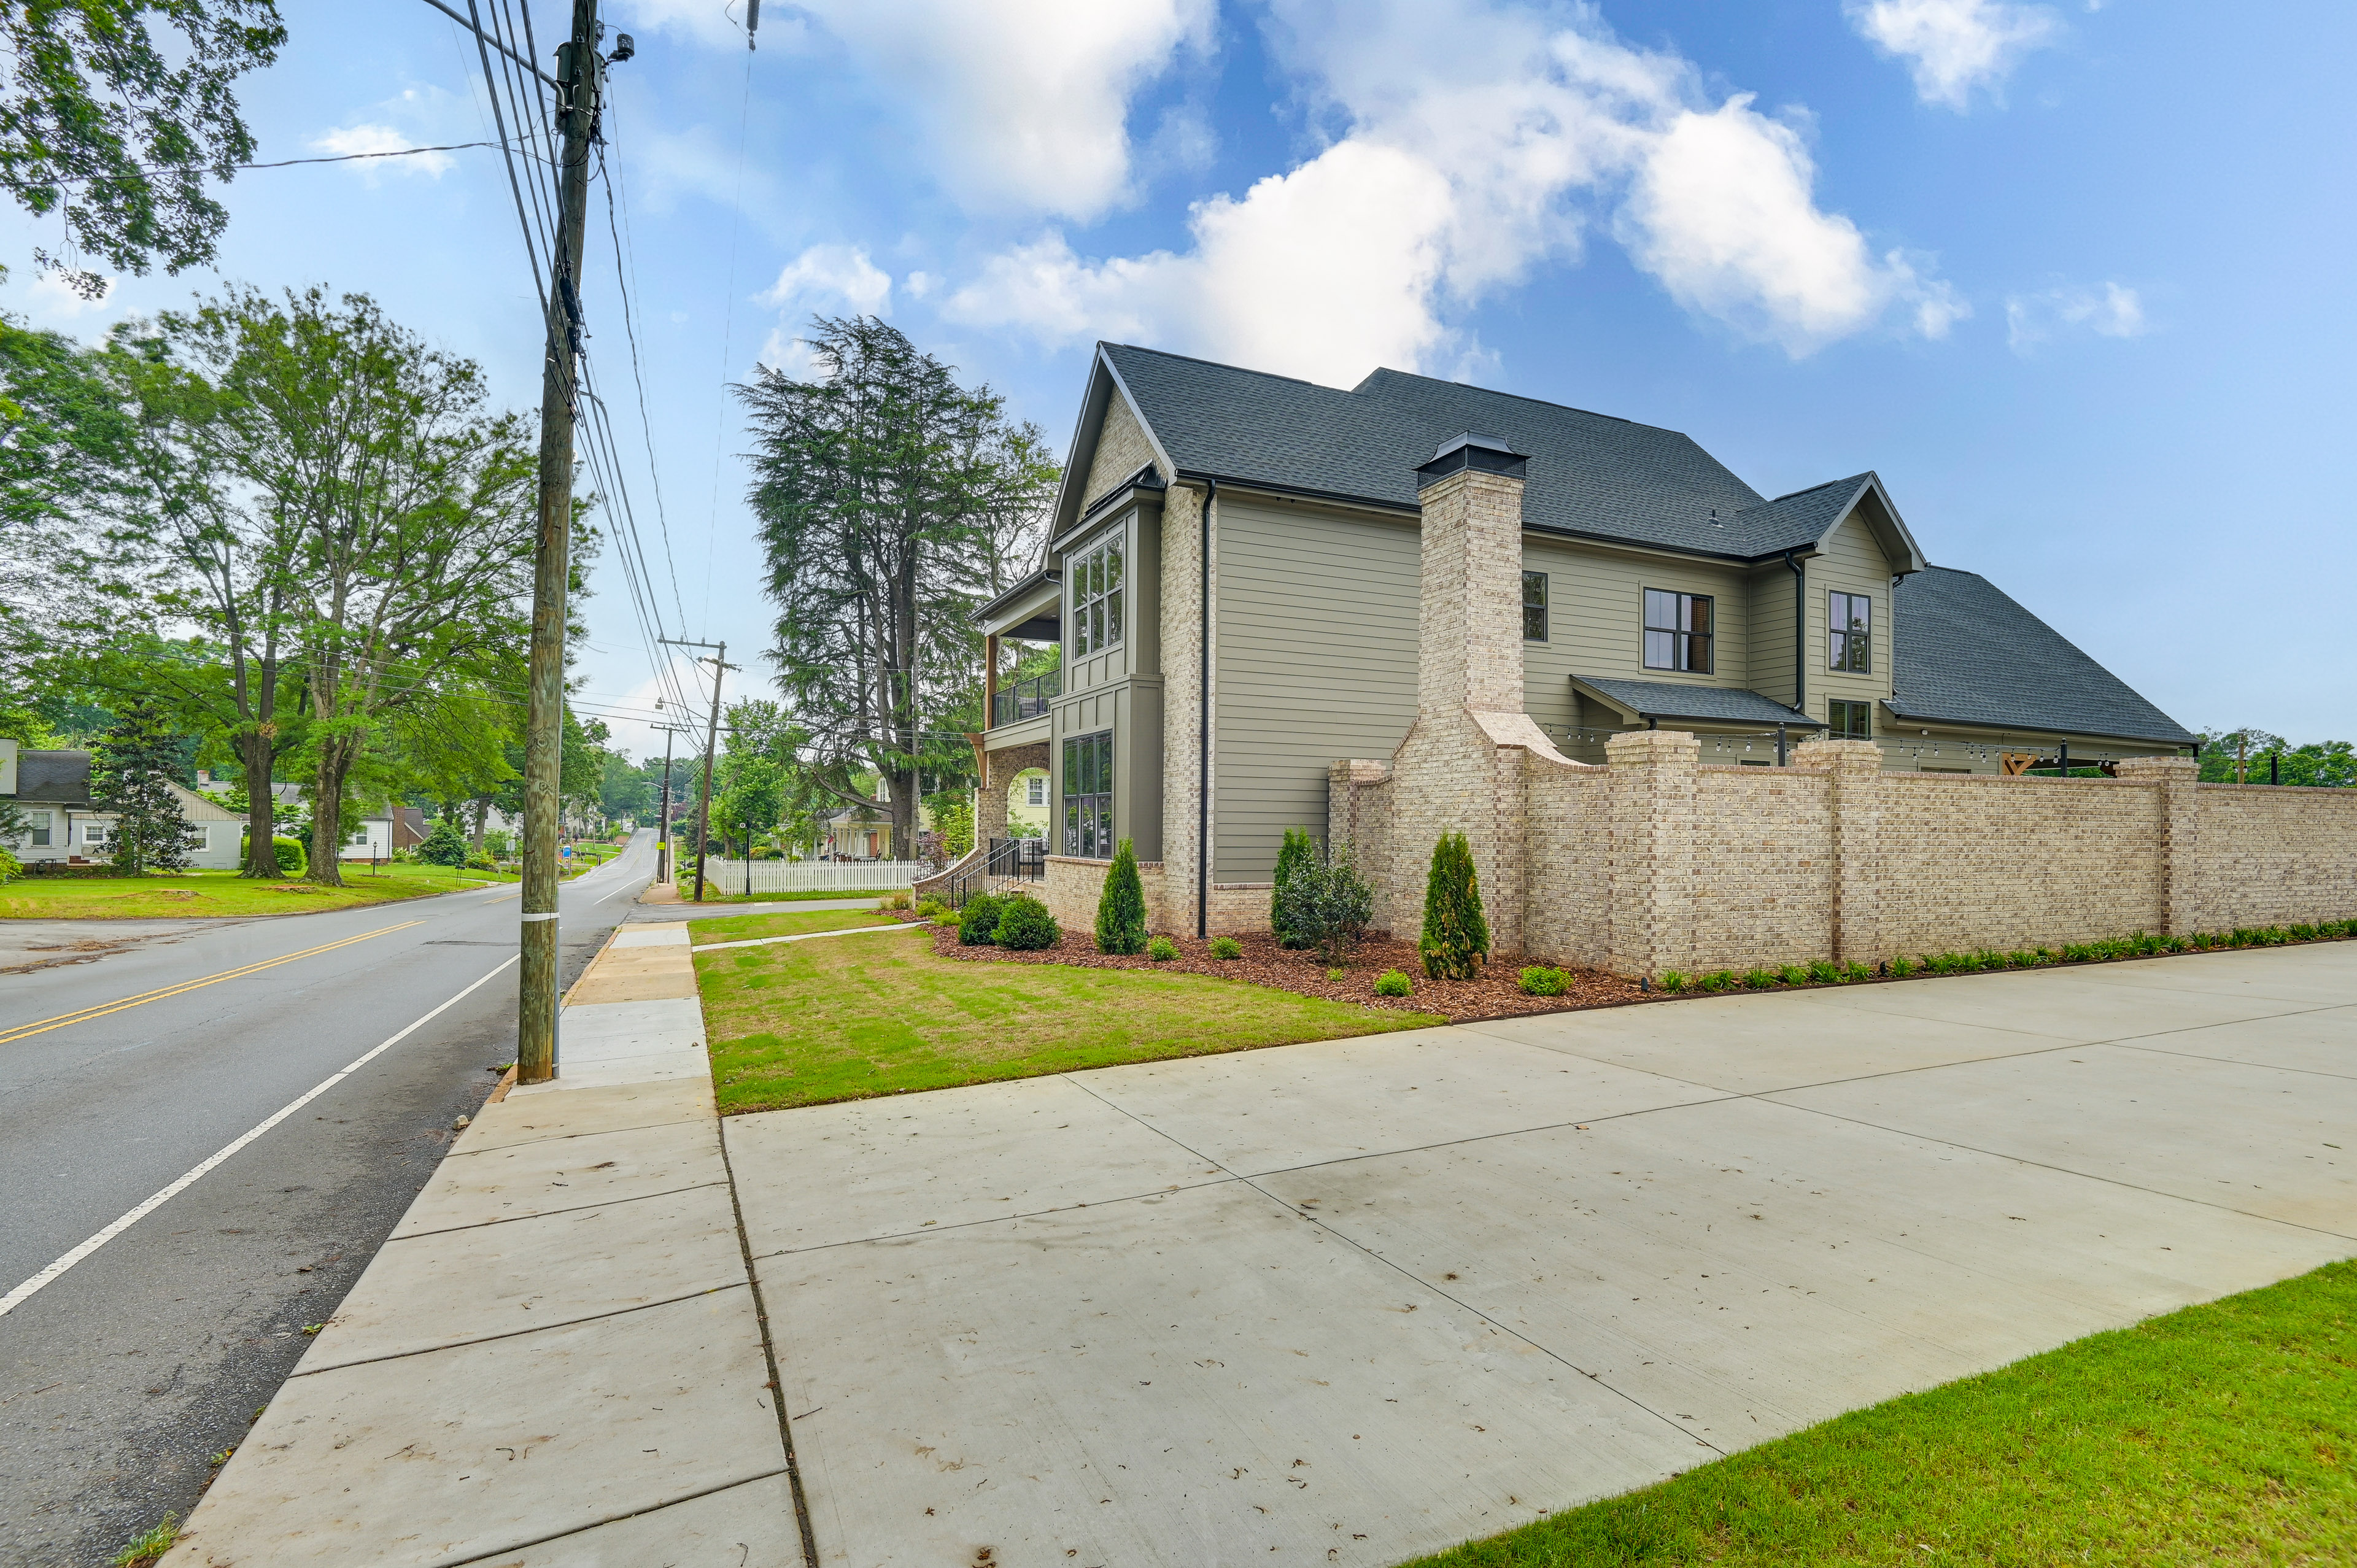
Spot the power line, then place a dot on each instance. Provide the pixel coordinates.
(728, 332)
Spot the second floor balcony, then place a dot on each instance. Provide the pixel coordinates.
(1020, 700)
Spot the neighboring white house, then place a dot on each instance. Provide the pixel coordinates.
(376, 837)
(52, 790)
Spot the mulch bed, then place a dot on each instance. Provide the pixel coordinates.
(1496, 993)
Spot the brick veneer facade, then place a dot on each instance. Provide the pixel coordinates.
(1655, 862)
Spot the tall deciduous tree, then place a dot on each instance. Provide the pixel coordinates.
(118, 130)
(381, 513)
(890, 499)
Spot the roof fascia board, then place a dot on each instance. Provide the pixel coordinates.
(1194, 479)
(1008, 609)
(1080, 455)
(1110, 505)
(1888, 528)
(1982, 726)
(1611, 545)
(1798, 721)
(1605, 700)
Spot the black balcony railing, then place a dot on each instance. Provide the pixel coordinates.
(1005, 861)
(1026, 699)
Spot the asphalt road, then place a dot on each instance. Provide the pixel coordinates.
(120, 1379)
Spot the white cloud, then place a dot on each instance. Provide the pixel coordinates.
(823, 277)
(1954, 46)
(352, 139)
(2110, 311)
(1481, 141)
(50, 301)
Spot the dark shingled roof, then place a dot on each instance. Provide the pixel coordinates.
(1968, 654)
(1800, 519)
(54, 778)
(1589, 474)
(1715, 704)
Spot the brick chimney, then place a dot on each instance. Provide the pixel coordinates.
(1469, 623)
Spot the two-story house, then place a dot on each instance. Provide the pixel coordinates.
(1204, 692)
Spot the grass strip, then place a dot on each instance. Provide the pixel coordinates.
(712, 895)
(198, 894)
(737, 927)
(2220, 1433)
(803, 1023)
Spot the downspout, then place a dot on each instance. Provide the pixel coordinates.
(1203, 723)
(1800, 635)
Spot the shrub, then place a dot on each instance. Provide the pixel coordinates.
(978, 921)
(1456, 934)
(933, 909)
(1025, 925)
(1758, 979)
(1336, 973)
(11, 867)
(1393, 982)
(1161, 949)
(893, 901)
(1794, 974)
(1295, 853)
(1900, 968)
(1227, 947)
(443, 846)
(1121, 908)
(1673, 980)
(1854, 970)
(1539, 980)
(1327, 904)
(292, 861)
(1717, 980)
(1823, 973)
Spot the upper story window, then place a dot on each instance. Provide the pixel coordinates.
(1535, 628)
(1849, 632)
(1096, 597)
(1677, 631)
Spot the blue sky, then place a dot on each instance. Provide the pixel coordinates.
(2073, 278)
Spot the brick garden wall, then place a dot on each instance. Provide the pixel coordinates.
(1762, 878)
(2274, 856)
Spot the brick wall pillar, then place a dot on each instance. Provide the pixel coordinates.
(2173, 779)
(1856, 809)
(1652, 789)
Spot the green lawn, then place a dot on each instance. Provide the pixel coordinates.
(803, 1023)
(733, 928)
(2224, 1433)
(221, 893)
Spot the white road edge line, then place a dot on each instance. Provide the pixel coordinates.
(23, 1292)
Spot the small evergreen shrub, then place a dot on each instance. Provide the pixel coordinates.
(978, 921)
(443, 846)
(1673, 981)
(1161, 949)
(11, 867)
(1296, 852)
(1456, 936)
(292, 861)
(1227, 947)
(1025, 925)
(1540, 980)
(1393, 982)
(1121, 908)
(1336, 973)
(1327, 904)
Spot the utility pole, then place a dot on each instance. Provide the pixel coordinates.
(720, 667)
(580, 75)
(663, 820)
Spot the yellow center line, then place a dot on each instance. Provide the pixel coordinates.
(25, 1031)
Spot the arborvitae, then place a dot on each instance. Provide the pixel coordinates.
(1298, 851)
(1456, 935)
(132, 776)
(1121, 908)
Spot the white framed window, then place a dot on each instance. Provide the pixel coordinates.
(1037, 795)
(97, 832)
(40, 823)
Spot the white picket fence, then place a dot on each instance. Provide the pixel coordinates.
(802, 875)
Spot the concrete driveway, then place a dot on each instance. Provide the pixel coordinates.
(1356, 1301)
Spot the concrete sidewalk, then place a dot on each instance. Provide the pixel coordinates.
(1353, 1302)
(557, 1358)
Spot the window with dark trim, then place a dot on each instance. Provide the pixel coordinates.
(1849, 721)
(1849, 632)
(1677, 631)
(1535, 628)
(1088, 796)
(1095, 577)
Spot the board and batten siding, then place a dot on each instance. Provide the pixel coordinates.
(1596, 624)
(1315, 662)
(1771, 631)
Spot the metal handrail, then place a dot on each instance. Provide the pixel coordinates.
(1023, 700)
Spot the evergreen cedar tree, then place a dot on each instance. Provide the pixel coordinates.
(1121, 908)
(1297, 851)
(1456, 934)
(132, 776)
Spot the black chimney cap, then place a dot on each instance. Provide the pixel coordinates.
(1484, 454)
